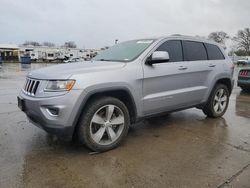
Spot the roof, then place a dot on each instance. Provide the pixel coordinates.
(9, 46)
(196, 38)
(182, 37)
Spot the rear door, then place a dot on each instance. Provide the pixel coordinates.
(216, 65)
(195, 54)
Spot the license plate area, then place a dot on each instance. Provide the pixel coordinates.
(21, 103)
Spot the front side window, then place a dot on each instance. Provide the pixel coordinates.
(194, 51)
(174, 49)
(213, 52)
(125, 51)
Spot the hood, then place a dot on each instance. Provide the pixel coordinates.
(64, 71)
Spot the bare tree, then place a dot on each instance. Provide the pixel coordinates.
(32, 43)
(242, 40)
(219, 36)
(70, 44)
(49, 44)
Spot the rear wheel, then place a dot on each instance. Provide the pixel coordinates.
(104, 124)
(218, 102)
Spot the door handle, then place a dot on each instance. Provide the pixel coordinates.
(182, 68)
(211, 65)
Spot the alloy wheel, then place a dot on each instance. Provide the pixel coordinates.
(107, 124)
(220, 101)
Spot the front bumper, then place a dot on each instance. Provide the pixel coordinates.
(243, 84)
(62, 121)
(243, 81)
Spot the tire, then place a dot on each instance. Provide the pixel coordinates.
(217, 103)
(245, 88)
(104, 124)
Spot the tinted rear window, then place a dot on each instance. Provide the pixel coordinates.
(194, 51)
(174, 48)
(214, 53)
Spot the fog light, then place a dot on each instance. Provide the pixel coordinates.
(53, 111)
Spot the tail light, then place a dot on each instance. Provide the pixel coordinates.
(243, 73)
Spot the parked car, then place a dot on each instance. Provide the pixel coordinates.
(243, 62)
(242, 107)
(73, 60)
(98, 100)
(244, 79)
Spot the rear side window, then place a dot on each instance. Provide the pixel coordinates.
(194, 51)
(213, 52)
(174, 48)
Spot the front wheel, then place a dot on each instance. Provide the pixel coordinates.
(245, 88)
(218, 102)
(104, 124)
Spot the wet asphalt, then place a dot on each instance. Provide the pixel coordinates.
(182, 149)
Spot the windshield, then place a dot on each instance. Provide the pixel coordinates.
(125, 51)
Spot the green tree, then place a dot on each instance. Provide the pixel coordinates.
(241, 52)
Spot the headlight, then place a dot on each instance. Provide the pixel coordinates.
(59, 85)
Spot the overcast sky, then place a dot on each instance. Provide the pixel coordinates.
(97, 23)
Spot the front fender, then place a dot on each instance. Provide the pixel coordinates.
(101, 88)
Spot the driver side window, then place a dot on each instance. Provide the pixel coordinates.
(174, 49)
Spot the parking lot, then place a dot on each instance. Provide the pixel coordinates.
(183, 149)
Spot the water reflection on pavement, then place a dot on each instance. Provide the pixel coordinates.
(183, 149)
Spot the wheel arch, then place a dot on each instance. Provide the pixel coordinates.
(222, 80)
(120, 93)
(225, 81)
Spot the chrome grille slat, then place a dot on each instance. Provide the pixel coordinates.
(26, 86)
(26, 82)
(31, 86)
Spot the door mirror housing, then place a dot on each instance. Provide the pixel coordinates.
(158, 57)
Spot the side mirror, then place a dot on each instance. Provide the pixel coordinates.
(158, 57)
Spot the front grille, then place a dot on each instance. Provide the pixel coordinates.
(31, 86)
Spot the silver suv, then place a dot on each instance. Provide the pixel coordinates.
(98, 100)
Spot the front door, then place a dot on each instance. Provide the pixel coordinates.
(174, 84)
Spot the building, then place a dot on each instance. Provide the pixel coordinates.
(9, 52)
(13, 52)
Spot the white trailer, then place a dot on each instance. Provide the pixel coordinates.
(56, 53)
